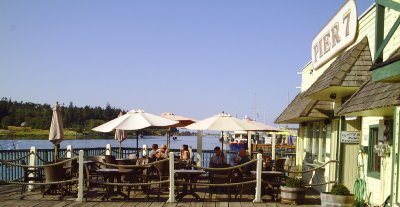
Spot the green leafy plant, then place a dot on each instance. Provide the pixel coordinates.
(295, 183)
(339, 189)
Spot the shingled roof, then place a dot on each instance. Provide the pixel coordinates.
(350, 69)
(304, 109)
(372, 96)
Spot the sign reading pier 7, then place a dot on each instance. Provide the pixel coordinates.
(350, 137)
(339, 33)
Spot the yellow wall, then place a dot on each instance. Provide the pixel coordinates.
(379, 188)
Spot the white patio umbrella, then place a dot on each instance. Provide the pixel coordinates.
(222, 122)
(260, 127)
(135, 120)
(120, 136)
(182, 122)
(56, 134)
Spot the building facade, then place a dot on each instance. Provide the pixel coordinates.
(348, 107)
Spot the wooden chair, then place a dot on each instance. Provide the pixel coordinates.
(95, 166)
(110, 159)
(54, 173)
(219, 177)
(31, 175)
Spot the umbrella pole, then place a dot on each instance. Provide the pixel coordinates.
(169, 137)
(55, 153)
(222, 138)
(137, 143)
(119, 151)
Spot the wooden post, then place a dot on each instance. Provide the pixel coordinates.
(273, 146)
(80, 178)
(32, 162)
(108, 149)
(249, 150)
(199, 154)
(69, 151)
(144, 152)
(257, 197)
(190, 153)
(171, 198)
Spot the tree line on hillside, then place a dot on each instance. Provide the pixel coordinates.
(38, 116)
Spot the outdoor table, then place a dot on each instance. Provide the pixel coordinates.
(110, 175)
(188, 176)
(273, 179)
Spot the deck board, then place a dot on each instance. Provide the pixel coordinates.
(10, 196)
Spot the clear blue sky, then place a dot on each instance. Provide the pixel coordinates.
(193, 58)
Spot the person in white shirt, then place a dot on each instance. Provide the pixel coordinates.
(152, 153)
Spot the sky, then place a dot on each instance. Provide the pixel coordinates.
(191, 58)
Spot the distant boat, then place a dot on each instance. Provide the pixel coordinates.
(140, 136)
(174, 138)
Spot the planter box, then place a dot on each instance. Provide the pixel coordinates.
(292, 195)
(329, 200)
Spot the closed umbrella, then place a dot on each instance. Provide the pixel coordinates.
(182, 122)
(120, 136)
(135, 120)
(56, 134)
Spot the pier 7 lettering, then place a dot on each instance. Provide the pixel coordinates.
(336, 35)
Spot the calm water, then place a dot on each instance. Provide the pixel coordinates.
(208, 142)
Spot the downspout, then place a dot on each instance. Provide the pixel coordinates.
(338, 149)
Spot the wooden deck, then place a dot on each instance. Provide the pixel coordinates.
(10, 195)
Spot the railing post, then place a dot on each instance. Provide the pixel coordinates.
(144, 152)
(258, 179)
(69, 151)
(199, 154)
(32, 162)
(273, 146)
(171, 198)
(80, 178)
(108, 149)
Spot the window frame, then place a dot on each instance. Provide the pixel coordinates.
(372, 141)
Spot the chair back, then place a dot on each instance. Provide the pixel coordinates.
(97, 165)
(280, 164)
(132, 157)
(54, 173)
(25, 170)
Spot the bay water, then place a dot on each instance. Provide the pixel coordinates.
(209, 142)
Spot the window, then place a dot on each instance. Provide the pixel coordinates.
(324, 129)
(316, 140)
(310, 132)
(374, 161)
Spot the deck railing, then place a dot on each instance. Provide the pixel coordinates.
(9, 173)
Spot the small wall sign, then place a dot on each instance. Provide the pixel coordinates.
(350, 137)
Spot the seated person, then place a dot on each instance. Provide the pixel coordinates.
(162, 153)
(242, 159)
(217, 160)
(152, 153)
(185, 154)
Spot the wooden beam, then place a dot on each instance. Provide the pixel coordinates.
(379, 52)
(385, 72)
(389, 4)
(379, 30)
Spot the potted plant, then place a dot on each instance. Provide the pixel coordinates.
(339, 196)
(294, 191)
